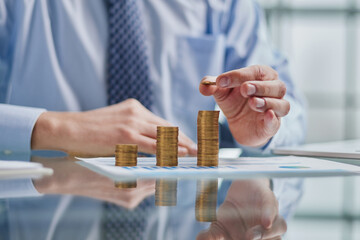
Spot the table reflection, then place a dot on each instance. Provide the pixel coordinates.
(77, 203)
(250, 211)
(127, 184)
(166, 192)
(206, 199)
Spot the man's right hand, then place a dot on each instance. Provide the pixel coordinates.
(96, 132)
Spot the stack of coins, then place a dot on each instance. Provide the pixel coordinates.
(206, 198)
(126, 155)
(166, 192)
(124, 185)
(208, 138)
(167, 146)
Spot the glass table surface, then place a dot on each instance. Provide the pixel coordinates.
(77, 203)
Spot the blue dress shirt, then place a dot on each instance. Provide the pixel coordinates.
(53, 56)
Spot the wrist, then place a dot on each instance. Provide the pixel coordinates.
(49, 132)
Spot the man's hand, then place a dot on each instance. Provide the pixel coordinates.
(250, 211)
(97, 132)
(251, 99)
(71, 178)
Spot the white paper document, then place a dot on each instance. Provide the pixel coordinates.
(20, 169)
(339, 149)
(228, 168)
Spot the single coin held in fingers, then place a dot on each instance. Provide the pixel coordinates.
(208, 83)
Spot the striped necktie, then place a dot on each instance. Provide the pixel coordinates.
(128, 67)
(128, 77)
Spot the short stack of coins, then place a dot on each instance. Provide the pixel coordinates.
(206, 199)
(126, 156)
(208, 138)
(166, 192)
(167, 146)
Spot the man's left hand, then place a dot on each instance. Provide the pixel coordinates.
(252, 100)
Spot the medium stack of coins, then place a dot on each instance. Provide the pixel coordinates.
(126, 155)
(124, 185)
(166, 192)
(167, 146)
(208, 138)
(206, 199)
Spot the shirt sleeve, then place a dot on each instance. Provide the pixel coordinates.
(18, 188)
(16, 126)
(247, 44)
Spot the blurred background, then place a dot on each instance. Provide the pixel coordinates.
(321, 38)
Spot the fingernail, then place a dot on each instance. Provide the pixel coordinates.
(260, 102)
(257, 235)
(224, 82)
(251, 89)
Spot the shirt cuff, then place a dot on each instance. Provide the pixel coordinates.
(18, 188)
(16, 126)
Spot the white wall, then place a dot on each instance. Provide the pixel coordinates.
(322, 46)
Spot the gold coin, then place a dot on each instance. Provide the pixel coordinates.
(208, 83)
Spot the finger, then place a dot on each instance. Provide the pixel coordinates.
(275, 89)
(271, 122)
(269, 212)
(258, 232)
(207, 90)
(186, 145)
(150, 131)
(135, 198)
(281, 107)
(152, 118)
(275, 238)
(182, 151)
(145, 144)
(278, 229)
(186, 142)
(145, 183)
(236, 77)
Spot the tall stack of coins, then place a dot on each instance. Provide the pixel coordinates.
(206, 198)
(126, 155)
(208, 138)
(167, 146)
(166, 192)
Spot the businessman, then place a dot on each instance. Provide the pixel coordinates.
(82, 76)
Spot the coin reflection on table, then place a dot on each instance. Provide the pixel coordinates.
(166, 192)
(125, 185)
(206, 199)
